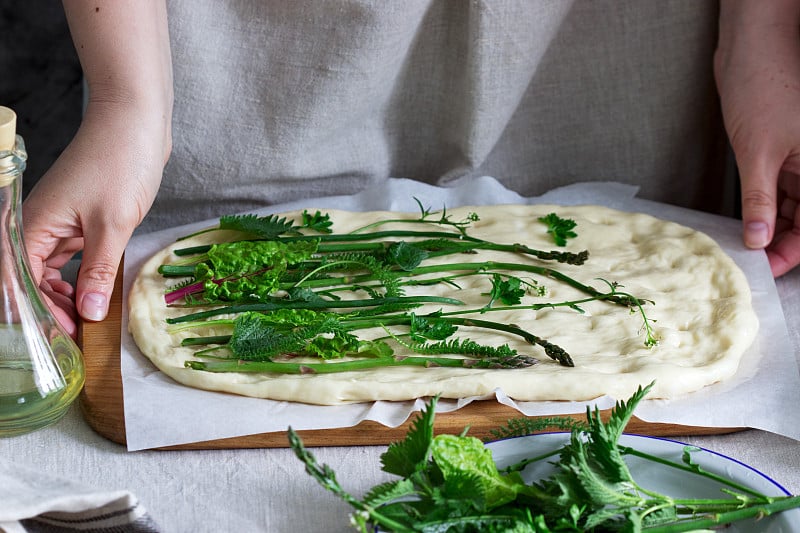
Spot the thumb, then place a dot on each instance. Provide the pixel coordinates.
(759, 185)
(98, 270)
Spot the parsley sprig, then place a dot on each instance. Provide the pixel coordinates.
(450, 483)
(559, 228)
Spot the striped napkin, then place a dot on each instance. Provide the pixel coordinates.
(32, 502)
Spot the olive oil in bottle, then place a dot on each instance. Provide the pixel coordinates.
(41, 368)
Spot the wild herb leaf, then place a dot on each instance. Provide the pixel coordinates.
(405, 457)
(257, 338)
(559, 228)
(389, 491)
(487, 356)
(278, 267)
(238, 269)
(450, 483)
(456, 455)
(422, 328)
(317, 222)
(342, 344)
(507, 289)
(520, 427)
(302, 294)
(405, 255)
(264, 227)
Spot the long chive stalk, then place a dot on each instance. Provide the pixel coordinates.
(516, 361)
(317, 304)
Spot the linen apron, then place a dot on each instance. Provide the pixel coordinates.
(285, 100)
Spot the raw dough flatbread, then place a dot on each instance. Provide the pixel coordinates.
(702, 313)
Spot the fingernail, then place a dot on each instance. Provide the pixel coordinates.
(95, 306)
(756, 235)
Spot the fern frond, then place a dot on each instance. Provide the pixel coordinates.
(462, 347)
(355, 262)
(391, 282)
(366, 261)
(264, 227)
(521, 427)
(385, 309)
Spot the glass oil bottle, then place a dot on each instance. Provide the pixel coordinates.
(41, 368)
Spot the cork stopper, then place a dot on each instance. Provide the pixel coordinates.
(8, 129)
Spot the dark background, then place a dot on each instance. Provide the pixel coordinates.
(40, 79)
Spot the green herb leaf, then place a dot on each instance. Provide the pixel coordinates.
(450, 483)
(317, 221)
(257, 338)
(456, 455)
(559, 228)
(277, 267)
(239, 269)
(266, 227)
(422, 328)
(507, 289)
(405, 457)
(405, 255)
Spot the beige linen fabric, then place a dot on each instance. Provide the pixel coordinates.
(283, 100)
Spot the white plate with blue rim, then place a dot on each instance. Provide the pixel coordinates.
(658, 477)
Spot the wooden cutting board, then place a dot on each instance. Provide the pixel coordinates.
(102, 405)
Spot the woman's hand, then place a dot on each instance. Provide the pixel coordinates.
(92, 199)
(757, 66)
(105, 181)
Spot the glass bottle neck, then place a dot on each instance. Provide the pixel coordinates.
(12, 163)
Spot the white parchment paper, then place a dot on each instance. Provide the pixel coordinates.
(763, 395)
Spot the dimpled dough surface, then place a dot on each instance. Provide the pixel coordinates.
(702, 314)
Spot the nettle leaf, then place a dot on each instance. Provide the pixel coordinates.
(405, 457)
(253, 341)
(256, 338)
(467, 486)
(405, 255)
(664, 515)
(604, 437)
(564, 487)
(592, 470)
(265, 227)
(602, 490)
(604, 516)
(389, 491)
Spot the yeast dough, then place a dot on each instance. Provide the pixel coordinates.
(700, 309)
